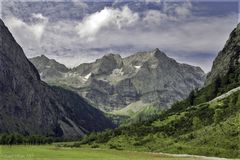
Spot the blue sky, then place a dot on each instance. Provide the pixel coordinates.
(75, 31)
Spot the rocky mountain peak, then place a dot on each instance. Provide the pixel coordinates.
(156, 50)
(44, 57)
(112, 56)
(107, 64)
(109, 58)
(158, 53)
(150, 54)
(150, 59)
(45, 63)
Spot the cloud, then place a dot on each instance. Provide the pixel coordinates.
(150, 1)
(156, 18)
(1, 1)
(183, 10)
(94, 23)
(36, 28)
(80, 3)
(115, 18)
(178, 9)
(39, 16)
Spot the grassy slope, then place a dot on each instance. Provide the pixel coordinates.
(192, 130)
(56, 153)
(133, 113)
(132, 109)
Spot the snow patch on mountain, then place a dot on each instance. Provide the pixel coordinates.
(137, 67)
(87, 76)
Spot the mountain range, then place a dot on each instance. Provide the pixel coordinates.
(115, 84)
(29, 106)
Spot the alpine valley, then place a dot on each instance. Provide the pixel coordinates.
(159, 105)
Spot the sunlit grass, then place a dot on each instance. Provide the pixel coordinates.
(50, 152)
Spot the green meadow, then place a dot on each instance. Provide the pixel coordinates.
(51, 152)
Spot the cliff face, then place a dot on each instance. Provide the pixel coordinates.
(113, 83)
(228, 59)
(29, 106)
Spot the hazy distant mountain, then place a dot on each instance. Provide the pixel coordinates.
(112, 82)
(49, 68)
(29, 106)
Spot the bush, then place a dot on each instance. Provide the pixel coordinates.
(13, 139)
(76, 145)
(95, 146)
(114, 146)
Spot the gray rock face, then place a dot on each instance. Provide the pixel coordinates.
(228, 58)
(29, 106)
(112, 83)
(49, 68)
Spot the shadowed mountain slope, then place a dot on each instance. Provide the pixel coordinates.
(30, 107)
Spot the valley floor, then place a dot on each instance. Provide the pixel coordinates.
(51, 152)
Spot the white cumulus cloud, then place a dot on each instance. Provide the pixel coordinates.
(95, 22)
(36, 28)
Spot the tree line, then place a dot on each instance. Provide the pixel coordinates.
(16, 139)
